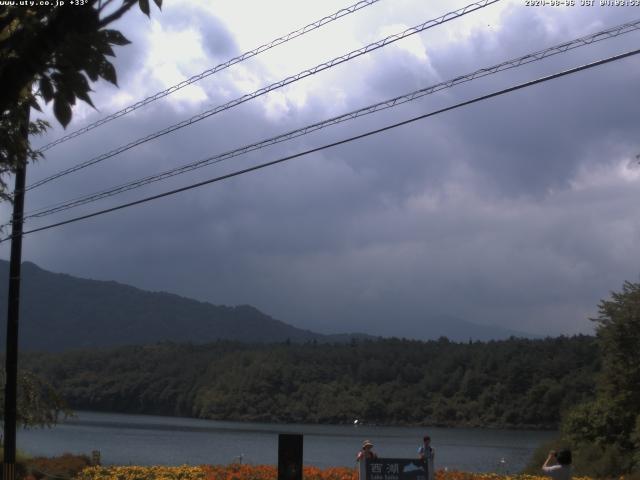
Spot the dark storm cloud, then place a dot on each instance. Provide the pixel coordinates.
(519, 211)
(526, 141)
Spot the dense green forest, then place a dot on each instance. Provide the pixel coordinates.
(605, 431)
(510, 383)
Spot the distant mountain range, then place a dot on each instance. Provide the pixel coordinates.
(456, 329)
(61, 312)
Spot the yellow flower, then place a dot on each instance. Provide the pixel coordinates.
(260, 472)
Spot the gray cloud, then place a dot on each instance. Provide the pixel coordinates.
(520, 211)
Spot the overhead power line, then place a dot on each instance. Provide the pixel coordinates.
(262, 91)
(506, 65)
(240, 58)
(334, 144)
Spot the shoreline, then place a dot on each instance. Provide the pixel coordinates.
(453, 425)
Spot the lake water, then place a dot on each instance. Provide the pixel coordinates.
(154, 440)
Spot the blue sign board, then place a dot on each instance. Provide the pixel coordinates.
(393, 469)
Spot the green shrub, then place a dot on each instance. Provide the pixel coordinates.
(601, 462)
(534, 467)
(589, 460)
(66, 465)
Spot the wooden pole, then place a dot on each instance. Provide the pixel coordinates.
(13, 311)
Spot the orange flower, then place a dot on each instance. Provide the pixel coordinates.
(261, 472)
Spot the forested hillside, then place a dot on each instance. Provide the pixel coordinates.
(514, 383)
(81, 313)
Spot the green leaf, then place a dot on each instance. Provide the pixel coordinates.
(92, 66)
(144, 6)
(105, 49)
(38, 127)
(77, 81)
(46, 89)
(58, 79)
(84, 96)
(80, 87)
(108, 72)
(62, 110)
(92, 72)
(69, 96)
(114, 37)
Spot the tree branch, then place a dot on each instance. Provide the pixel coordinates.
(124, 8)
(104, 5)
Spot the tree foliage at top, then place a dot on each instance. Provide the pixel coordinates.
(52, 54)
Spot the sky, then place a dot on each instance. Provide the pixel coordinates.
(520, 211)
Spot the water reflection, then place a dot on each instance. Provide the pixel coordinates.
(154, 440)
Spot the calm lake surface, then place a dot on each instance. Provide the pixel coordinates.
(154, 440)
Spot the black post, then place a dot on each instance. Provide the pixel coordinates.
(11, 359)
(290, 456)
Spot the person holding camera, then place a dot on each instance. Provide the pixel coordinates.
(366, 453)
(558, 465)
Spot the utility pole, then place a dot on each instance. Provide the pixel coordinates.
(13, 313)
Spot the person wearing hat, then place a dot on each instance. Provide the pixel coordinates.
(366, 453)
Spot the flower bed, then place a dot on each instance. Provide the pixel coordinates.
(261, 472)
